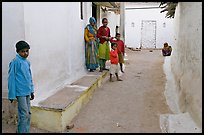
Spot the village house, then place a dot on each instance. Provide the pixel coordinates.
(146, 27)
(55, 32)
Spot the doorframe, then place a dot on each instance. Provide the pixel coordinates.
(155, 31)
(94, 11)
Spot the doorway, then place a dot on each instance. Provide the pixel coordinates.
(148, 34)
(94, 11)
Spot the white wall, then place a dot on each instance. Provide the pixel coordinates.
(87, 11)
(133, 34)
(55, 32)
(113, 20)
(186, 61)
(12, 31)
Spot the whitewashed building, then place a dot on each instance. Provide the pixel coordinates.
(186, 60)
(55, 32)
(146, 27)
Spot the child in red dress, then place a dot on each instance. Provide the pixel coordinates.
(114, 69)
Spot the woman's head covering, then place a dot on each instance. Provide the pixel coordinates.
(21, 45)
(92, 29)
(92, 19)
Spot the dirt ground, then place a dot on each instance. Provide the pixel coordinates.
(133, 105)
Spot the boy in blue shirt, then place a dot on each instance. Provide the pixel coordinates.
(20, 85)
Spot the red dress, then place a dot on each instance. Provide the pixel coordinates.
(120, 48)
(114, 56)
(103, 32)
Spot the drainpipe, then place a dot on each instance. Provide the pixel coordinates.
(122, 20)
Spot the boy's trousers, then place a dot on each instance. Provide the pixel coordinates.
(23, 114)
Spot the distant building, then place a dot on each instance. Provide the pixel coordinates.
(146, 27)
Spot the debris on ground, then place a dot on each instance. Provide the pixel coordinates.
(70, 126)
(134, 49)
(117, 124)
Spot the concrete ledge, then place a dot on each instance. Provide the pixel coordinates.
(178, 123)
(58, 110)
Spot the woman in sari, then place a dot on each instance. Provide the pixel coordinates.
(103, 34)
(91, 45)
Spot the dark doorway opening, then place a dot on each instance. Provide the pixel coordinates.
(94, 11)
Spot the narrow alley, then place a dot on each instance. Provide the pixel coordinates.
(133, 105)
(159, 93)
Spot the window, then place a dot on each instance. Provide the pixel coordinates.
(133, 24)
(164, 24)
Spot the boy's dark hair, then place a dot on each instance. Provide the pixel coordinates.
(117, 34)
(104, 19)
(113, 43)
(21, 45)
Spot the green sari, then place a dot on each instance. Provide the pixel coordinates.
(104, 51)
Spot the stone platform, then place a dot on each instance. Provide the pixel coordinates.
(58, 110)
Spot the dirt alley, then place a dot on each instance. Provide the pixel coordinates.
(132, 105)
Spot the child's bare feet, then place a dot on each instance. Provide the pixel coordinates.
(119, 80)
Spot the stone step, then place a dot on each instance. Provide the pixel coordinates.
(178, 123)
(57, 111)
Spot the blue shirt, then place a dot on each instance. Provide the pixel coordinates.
(19, 78)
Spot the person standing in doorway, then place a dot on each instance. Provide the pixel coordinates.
(114, 69)
(121, 50)
(103, 34)
(20, 85)
(91, 45)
